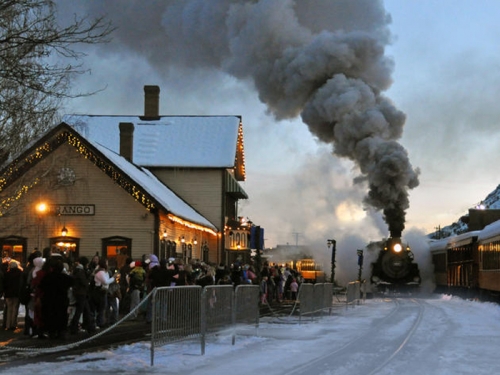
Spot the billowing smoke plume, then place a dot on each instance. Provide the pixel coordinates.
(320, 59)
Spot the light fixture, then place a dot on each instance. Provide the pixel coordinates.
(195, 241)
(41, 208)
(164, 234)
(64, 232)
(182, 239)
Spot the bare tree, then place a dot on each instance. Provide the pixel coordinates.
(38, 58)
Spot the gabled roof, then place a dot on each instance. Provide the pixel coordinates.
(147, 188)
(171, 141)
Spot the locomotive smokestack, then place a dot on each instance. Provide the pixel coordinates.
(395, 233)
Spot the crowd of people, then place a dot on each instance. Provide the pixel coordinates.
(64, 297)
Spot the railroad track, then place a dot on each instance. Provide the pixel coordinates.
(373, 344)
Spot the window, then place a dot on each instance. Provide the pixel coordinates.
(116, 250)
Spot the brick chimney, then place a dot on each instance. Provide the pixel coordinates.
(127, 140)
(151, 102)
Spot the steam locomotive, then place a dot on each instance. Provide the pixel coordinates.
(394, 269)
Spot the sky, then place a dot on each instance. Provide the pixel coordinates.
(449, 336)
(429, 67)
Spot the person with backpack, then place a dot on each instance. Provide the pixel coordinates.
(136, 278)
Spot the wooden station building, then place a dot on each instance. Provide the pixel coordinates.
(126, 186)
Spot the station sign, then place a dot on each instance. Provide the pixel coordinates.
(73, 209)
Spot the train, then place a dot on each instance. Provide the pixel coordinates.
(468, 264)
(310, 270)
(395, 269)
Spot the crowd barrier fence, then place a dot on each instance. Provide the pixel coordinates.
(192, 312)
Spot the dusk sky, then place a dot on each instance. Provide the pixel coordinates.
(440, 67)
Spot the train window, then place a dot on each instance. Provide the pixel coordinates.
(490, 255)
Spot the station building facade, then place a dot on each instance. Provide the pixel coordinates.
(126, 186)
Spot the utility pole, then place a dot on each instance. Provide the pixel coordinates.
(333, 244)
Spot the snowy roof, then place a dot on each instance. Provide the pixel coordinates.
(161, 193)
(170, 141)
(453, 241)
(490, 231)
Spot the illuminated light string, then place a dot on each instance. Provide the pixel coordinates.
(240, 153)
(19, 167)
(190, 225)
(5, 204)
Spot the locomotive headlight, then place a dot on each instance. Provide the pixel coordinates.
(397, 248)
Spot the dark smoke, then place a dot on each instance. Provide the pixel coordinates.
(320, 59)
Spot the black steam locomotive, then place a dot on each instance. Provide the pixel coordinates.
(394, 269)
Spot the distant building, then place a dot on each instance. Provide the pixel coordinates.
(124, 186)
(479, 218)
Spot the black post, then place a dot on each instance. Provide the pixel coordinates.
(360, 263)
(333, 244)
(258, 257)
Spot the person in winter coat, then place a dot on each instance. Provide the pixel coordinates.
(54, 286)
(207, 279)
(12, 288)
(125, 301)
(27, 292)
(38, 274)
(102, 279)
(156, 277)
(30, 327)
(136, 279)
(81, 294)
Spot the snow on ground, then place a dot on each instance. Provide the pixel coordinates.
(454, 336)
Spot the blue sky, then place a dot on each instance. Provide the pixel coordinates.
(446, 80)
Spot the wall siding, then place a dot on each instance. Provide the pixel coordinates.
(202, 189)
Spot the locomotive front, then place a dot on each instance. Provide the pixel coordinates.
(395, 268)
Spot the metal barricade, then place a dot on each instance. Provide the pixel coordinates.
(246, 306)
(218, 306)
(218, 303)
(353, 292)
(327, 298)
(306, 299)
(176, 315)
(318, 297)
(185, 312)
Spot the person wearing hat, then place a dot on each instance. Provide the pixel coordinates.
(136, 278)
(12, 288)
